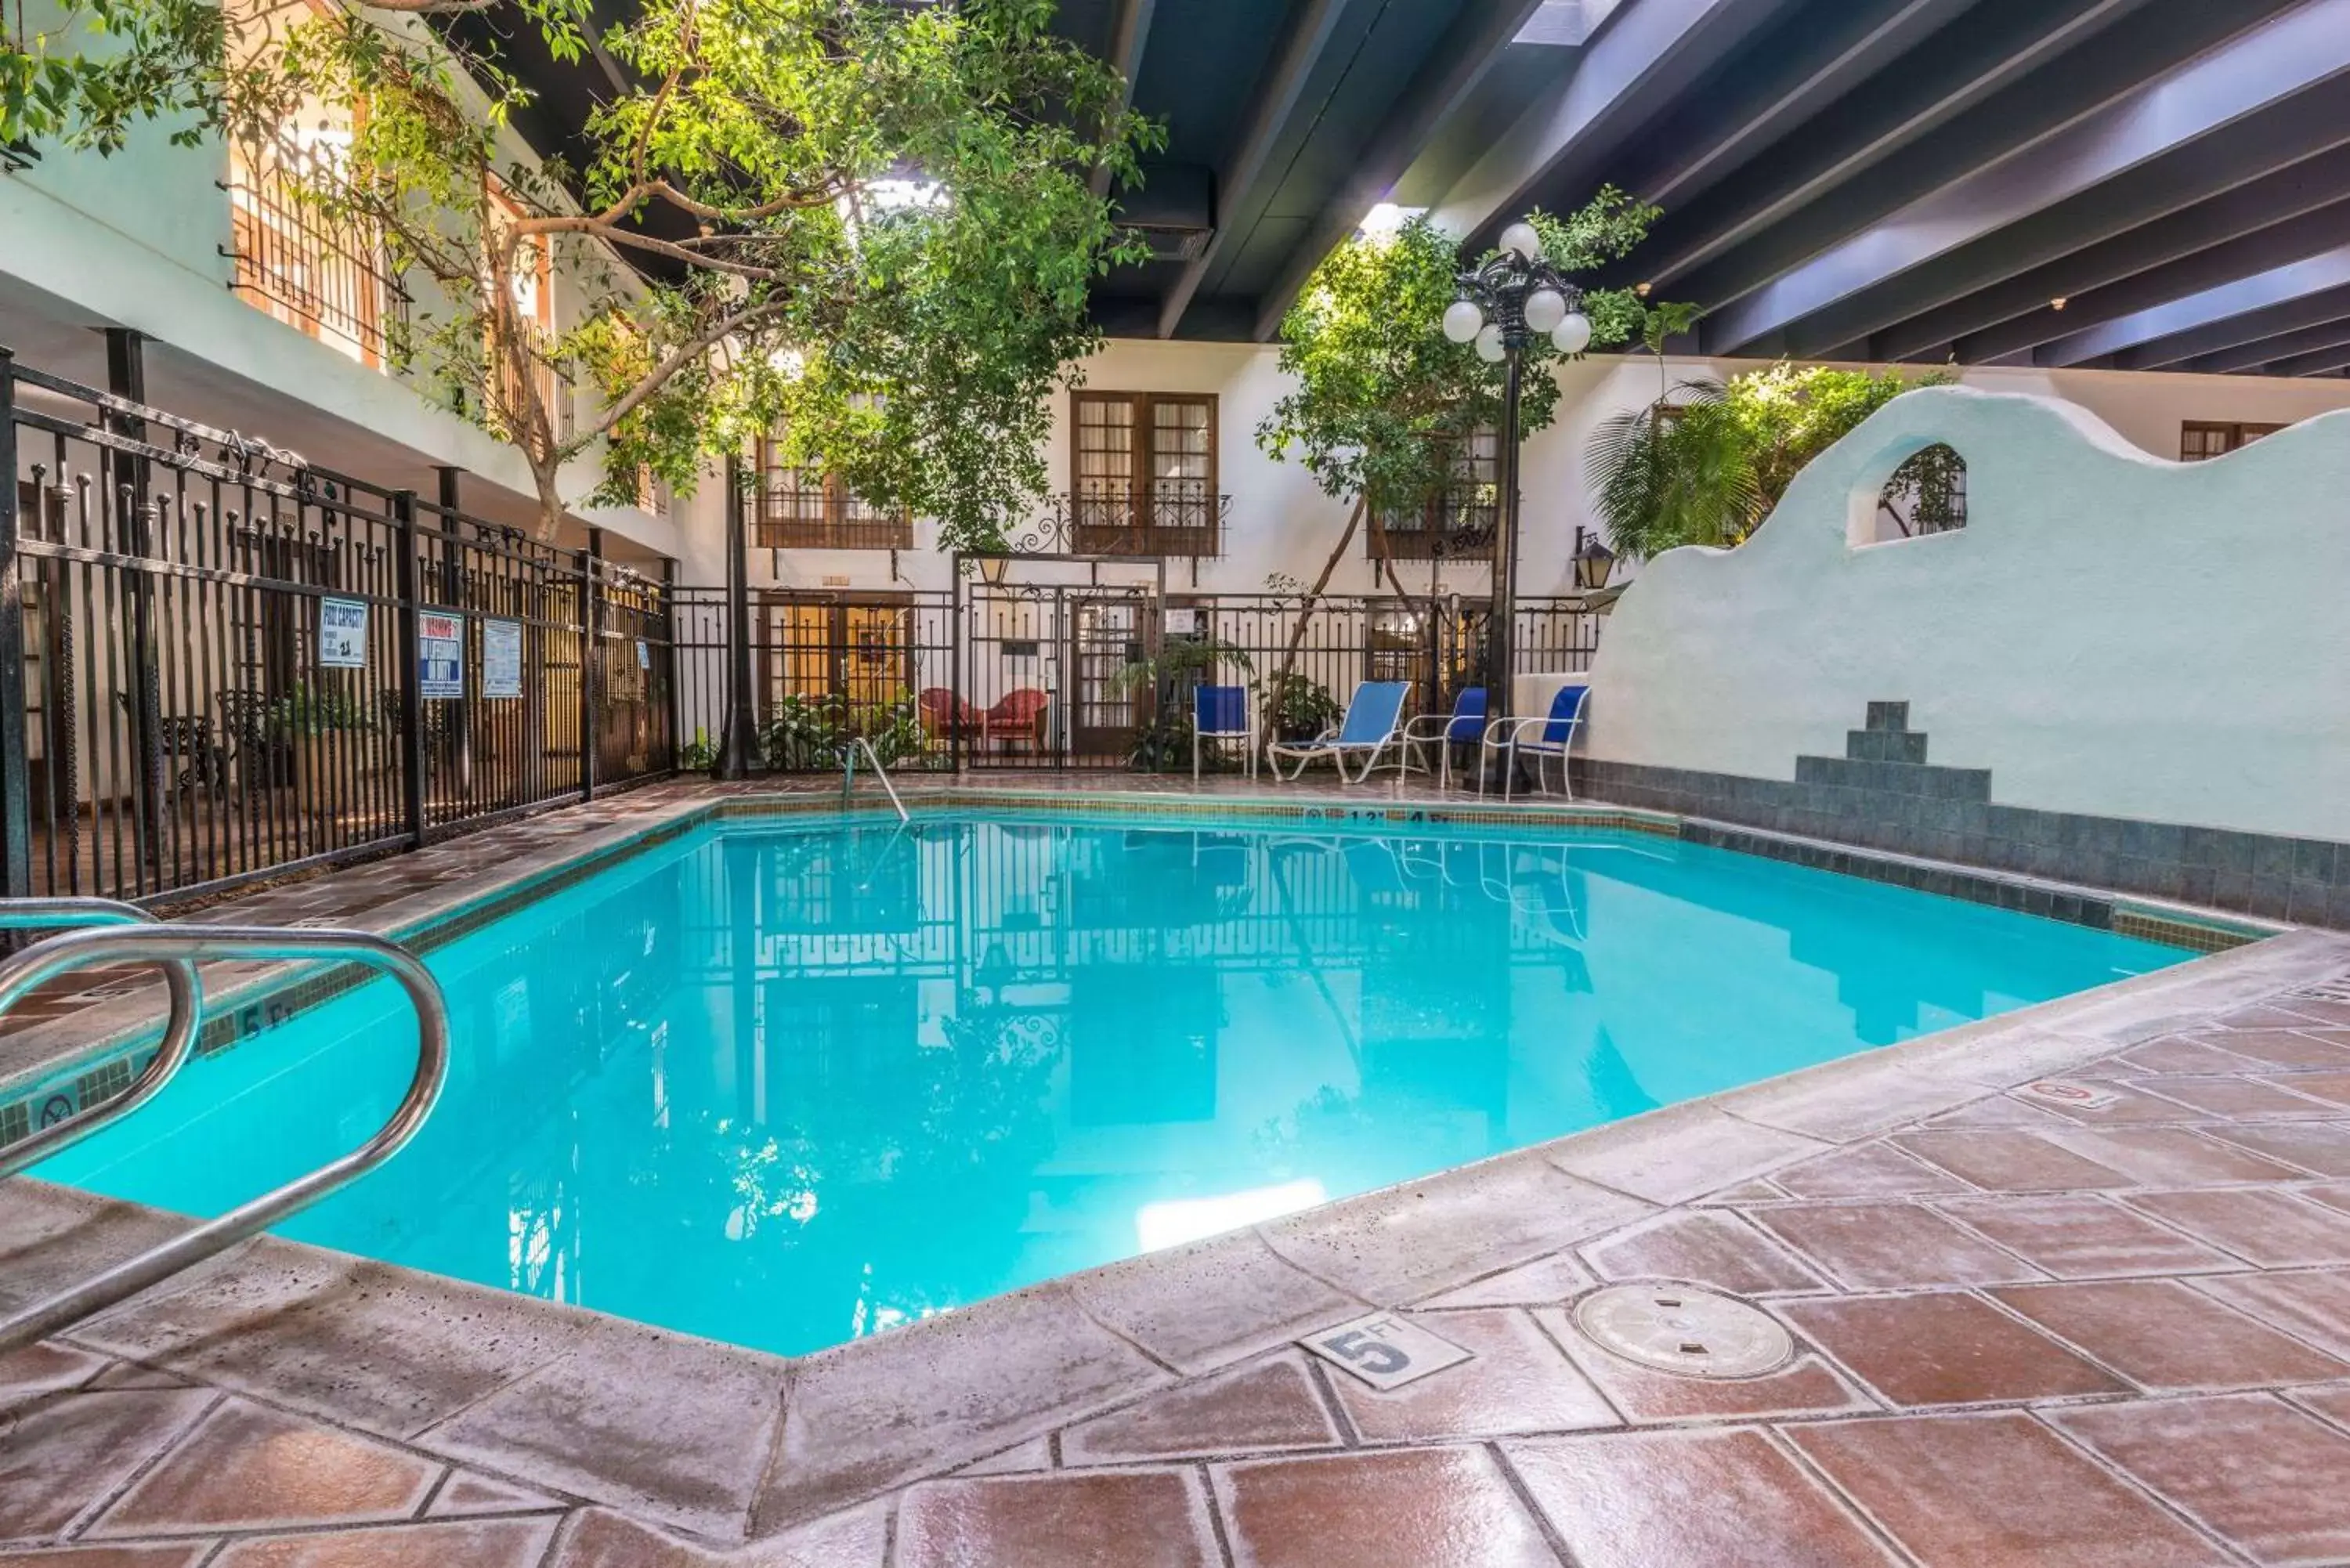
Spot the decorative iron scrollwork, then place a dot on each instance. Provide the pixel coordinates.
(1168, 517)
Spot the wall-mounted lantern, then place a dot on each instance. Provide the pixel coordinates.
(1595, 563)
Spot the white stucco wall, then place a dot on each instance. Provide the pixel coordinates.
(1282, 523)
(2112, 632)
(141, 239)
(136, 241)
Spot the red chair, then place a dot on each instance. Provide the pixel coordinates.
(945, 715)
(1019, 717)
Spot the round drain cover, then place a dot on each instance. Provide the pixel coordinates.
(1682, 1329)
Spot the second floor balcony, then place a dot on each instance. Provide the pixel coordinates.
(1178, 517)
(324, 273)
(1459, 525)
(796, 513)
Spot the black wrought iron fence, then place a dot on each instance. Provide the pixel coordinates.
(824, 668)
(1080, 675)
(635, 679)
(218, 661)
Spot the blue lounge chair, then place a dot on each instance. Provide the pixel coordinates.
(1374, 724)
(1548, 736)
(1222, 713)
(1465, 727)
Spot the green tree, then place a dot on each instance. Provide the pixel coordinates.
(1384, 400)
(872, 221)
(1706, 467)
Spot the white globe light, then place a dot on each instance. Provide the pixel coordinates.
(1572, 336)
(1462, 321)
(1522, 241)
(1545, 308)
(1489, 345)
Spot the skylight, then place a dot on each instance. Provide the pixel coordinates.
(1565, 22)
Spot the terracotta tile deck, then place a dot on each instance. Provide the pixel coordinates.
(2023, 1336)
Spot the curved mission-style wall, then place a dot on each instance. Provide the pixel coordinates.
(2110, 634)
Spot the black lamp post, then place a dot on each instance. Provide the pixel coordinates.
(1503, 306)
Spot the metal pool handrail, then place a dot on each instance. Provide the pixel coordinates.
(848, 773)
(179, 1035)
(192, 944)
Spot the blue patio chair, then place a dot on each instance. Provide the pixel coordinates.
(1222, 713)
(1374, 723)
(1464, 727)
(1548, 736)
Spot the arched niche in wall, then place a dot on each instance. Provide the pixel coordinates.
(1916, 487)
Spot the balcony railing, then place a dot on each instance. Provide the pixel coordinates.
(1459, 525)
(322, 273)
(1176, 517)
(807, 517)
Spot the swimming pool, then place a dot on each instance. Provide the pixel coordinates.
(788, 1085)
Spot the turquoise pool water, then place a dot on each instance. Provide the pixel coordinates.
(788, 1086)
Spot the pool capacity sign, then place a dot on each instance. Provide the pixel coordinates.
(342, 634)
(501, 658)
(440, 656)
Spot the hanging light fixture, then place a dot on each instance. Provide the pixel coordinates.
(991, 568)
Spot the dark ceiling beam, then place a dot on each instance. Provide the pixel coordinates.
(1129, 35)
(2319, 362)
(2288, 55)
(2002, 42)
(2237, 154)
(2247, 209)
(2317, 308)
(1727, 127)
(1438, 90)
(2211, 307)
(2270, 351)
(2250, 256)
(1649, 52)
(1311, 24)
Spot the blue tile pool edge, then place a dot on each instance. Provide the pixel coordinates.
(47, 1090)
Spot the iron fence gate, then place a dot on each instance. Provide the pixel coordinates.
(210, 657)
(825, 666)
(1059, 675)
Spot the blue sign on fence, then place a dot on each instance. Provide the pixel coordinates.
(440, 656)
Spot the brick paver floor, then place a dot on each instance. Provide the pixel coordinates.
(2113, 1332)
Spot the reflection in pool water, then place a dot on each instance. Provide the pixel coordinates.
(784, 1087)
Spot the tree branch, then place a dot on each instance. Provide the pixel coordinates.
(654, 380)
(429, 7)
(789, 200)
(612, 234)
